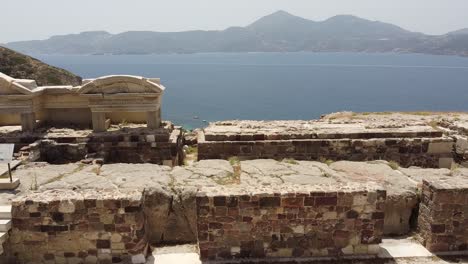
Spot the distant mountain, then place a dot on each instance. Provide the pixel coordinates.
(277, 32)
(20, 66)
(463, 31)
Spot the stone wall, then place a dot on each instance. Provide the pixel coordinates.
(9, 119)
(293, 223)
(91, 226)
(114, 147)
(443, 214)
(424, 152)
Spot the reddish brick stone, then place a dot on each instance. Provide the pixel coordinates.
(219, 201)
(225, 219)
(270, 201)
(221, 211)
(214, 225)
(320, 201)
(49, 256)
(232, 202)
(102, 244)
(82, 254)
(90, 203)
(203, 200)
(437, 229)
(292, 202)
(69, 254)
(233, 211)
(378, 215)
(352, 214)
(132, 209)
(244, 205)
(247, 219)
(309, 201)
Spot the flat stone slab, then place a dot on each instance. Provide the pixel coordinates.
(247, 130)
(379, 172)
(458, 182)
(417, 175)
(402, 248)
(262, 173)
(396, 119)
(5, 184)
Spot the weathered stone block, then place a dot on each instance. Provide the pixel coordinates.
(440, 147)
(442, 219)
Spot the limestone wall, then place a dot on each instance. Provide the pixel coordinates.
(74, 116)
(290, 224)
(90, 226)
(10, 119)
(130, 117)
(424, 152)
(443, 215)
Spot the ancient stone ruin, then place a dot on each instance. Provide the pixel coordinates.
(117, 98)
(105, 180)
(124, 113)
(412, 145)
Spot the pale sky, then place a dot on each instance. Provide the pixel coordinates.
(40, 19)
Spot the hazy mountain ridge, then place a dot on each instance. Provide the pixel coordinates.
(277, 32)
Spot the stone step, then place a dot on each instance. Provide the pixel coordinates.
(5, 225)
(5, 184)
(5, 211)
(403, 247)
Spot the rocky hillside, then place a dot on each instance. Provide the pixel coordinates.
(20, 66)
(278, 32)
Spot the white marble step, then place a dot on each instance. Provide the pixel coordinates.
(5, 184)
(403, 247)
(183, 254)
(5, 225)
(5, 211)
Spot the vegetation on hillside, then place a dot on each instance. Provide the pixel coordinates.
(20, 66)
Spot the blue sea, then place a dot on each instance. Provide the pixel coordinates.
(262, 86)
